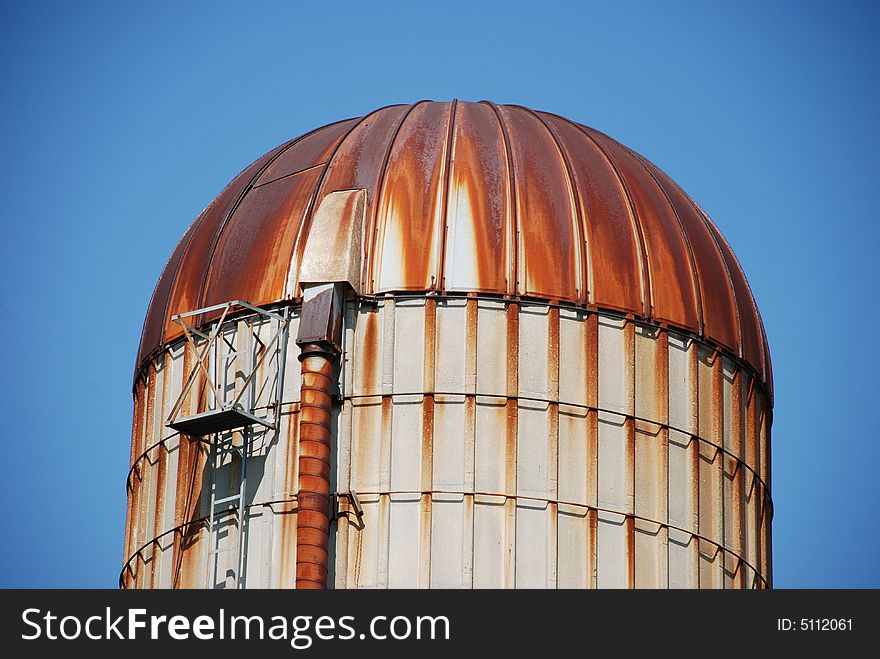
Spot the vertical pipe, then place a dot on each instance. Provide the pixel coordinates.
(313, 499)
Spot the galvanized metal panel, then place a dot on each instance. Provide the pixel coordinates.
(478, 203)
(403, 540)
(683, 471)
(284, 533)
(574, 457)
(613, 551)
(683, 560)
(451, 346)
(411, 212)
(615, 463)
(533, 541)
(448, 522)
(733, 474)
(615, 366)
(534, 451)
(491, 342)
(450, 449)
(409, 346)
(587, 491)
(490, 542)
(575, 568)
(710, 407)
(363, 547)
(651, 554)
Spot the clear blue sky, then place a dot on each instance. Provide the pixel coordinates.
(121, 121)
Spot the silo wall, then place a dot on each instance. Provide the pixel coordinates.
(490, 443)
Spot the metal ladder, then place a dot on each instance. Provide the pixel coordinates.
(231, 412)
(231, 507)
(236, 511)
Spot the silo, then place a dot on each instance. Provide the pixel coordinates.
(451, 345)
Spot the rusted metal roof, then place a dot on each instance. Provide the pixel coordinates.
(472, 197)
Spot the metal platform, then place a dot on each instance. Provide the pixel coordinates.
(214, 421)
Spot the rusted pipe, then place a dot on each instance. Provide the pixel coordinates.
(313, 499)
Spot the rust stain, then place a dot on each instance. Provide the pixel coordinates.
(409, 220)
(253, 255)
(427, 469)
(186, 294)
(158, 511)
(661, 378)
(673, 290)
(545, 217)
(469, 197)
(188, 559)
(630, 552)
(592, 466)
(289, 512)
(476, 255)
(593, 516)
(367, 373)
(312, 149)
(511, 431)
(612, 245)
(735, 470)
(143, 470)
(523, 194)
(471, 317)
(430, 344)
(512, 343)
(131, 488)
(425, 523)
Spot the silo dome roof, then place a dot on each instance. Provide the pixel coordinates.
(472, 197)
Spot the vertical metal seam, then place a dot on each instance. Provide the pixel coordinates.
(644, 265)
(373, 220)
(736, 304)
(512, 209)
(444, 212)
(575, 200)
(234, 207)
(696, 282)
(764, 348)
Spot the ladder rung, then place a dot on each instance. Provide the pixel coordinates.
(214, 552)
(218, 502)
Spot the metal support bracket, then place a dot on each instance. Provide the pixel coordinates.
(229, 407)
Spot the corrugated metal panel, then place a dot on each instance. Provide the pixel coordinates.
(478, 206)
(473, 198)
(312, 149)
(674, 294)
(546, 242)
(411, 208)
(186, 294)
(255, 248)
(600, 452)
(710, 406)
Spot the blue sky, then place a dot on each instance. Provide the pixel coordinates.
(121, 121)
